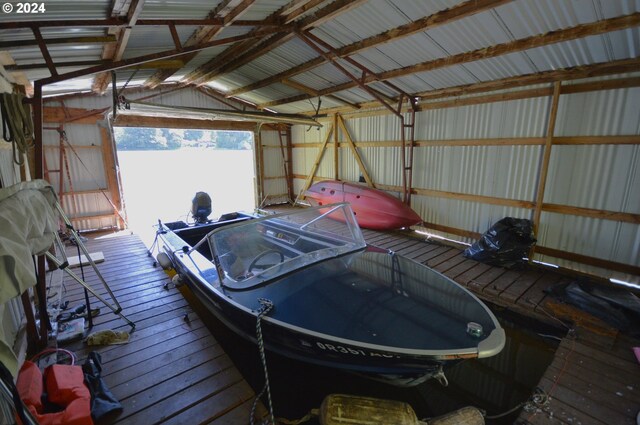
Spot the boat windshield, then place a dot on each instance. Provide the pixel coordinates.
(256, 251)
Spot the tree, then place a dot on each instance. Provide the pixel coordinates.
(236, 140)
(135, 138)
(193, 134)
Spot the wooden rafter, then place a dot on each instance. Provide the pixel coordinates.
(120, 22)
(565, 74)
(115, 52)
(437, 19)
(165, 54)
(168, 63)
(244, 54)
(227, 11)
(12, 45)
(580, 31)
(297, 8)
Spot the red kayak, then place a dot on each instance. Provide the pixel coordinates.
(373, 208)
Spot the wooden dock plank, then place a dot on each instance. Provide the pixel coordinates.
(485, 278)
(561, 413)
(184, 395)
(450, 263)
(423, 258)
(420, 250)
(216, 406)
(521, 285)
(536, 293)
(460, 269)
(495, 287)
(169, 365)
(593, 408)
(472, 273)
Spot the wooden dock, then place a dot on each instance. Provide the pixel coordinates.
(594, 377)
(589, 385)
(172, 371)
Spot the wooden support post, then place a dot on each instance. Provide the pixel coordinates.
(41, 293)
(314, 169)
(37, 129)
(289, 164)
(259, 158)
(352, 146)
(111, 172)
(336, 149)
(546, 157)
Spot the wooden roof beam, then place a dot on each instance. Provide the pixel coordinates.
(309, 90)
(297, 8)
(215, 67)
(463, 10)
(115, 53)
(120, 22)
(579, 31)
(168, 63)
(12, 45)
(139, 60)
(227, 11)
(566, 74)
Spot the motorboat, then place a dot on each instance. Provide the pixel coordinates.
(333, 300)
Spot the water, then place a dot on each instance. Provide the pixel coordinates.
(161, 184)
(495, 384)
(162, 188)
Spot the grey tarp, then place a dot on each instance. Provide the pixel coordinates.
(28, 222)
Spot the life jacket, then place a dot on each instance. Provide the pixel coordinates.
(65, 387)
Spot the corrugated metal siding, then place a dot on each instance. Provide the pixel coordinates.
(275, 183)
(86, 169)
(64, 9)
(605, 177)
(593, 176)
(91, 175)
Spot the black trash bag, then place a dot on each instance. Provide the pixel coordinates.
(504, 244)
(103, 401)
(615, 306)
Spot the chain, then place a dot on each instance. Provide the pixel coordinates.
(265, 307)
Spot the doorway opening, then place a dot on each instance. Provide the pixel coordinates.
(162, 169)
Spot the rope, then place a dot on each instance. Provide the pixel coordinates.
(305, 418)
(539, 400)
(265, 307)
(17, 126)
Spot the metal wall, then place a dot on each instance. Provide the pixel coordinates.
(604, 177)
(275, 183)
(85, 160)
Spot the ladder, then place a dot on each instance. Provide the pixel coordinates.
(407, 142)
(284, 134)
(63, 169)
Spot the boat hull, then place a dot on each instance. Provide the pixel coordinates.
(373, 208)
(392, 368)
(367, 310)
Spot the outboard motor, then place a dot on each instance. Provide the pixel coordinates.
(201, 207)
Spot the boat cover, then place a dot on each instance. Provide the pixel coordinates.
(28, 222)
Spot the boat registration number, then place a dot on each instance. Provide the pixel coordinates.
(348, 350)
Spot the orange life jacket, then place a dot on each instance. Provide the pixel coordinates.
(65, 387)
